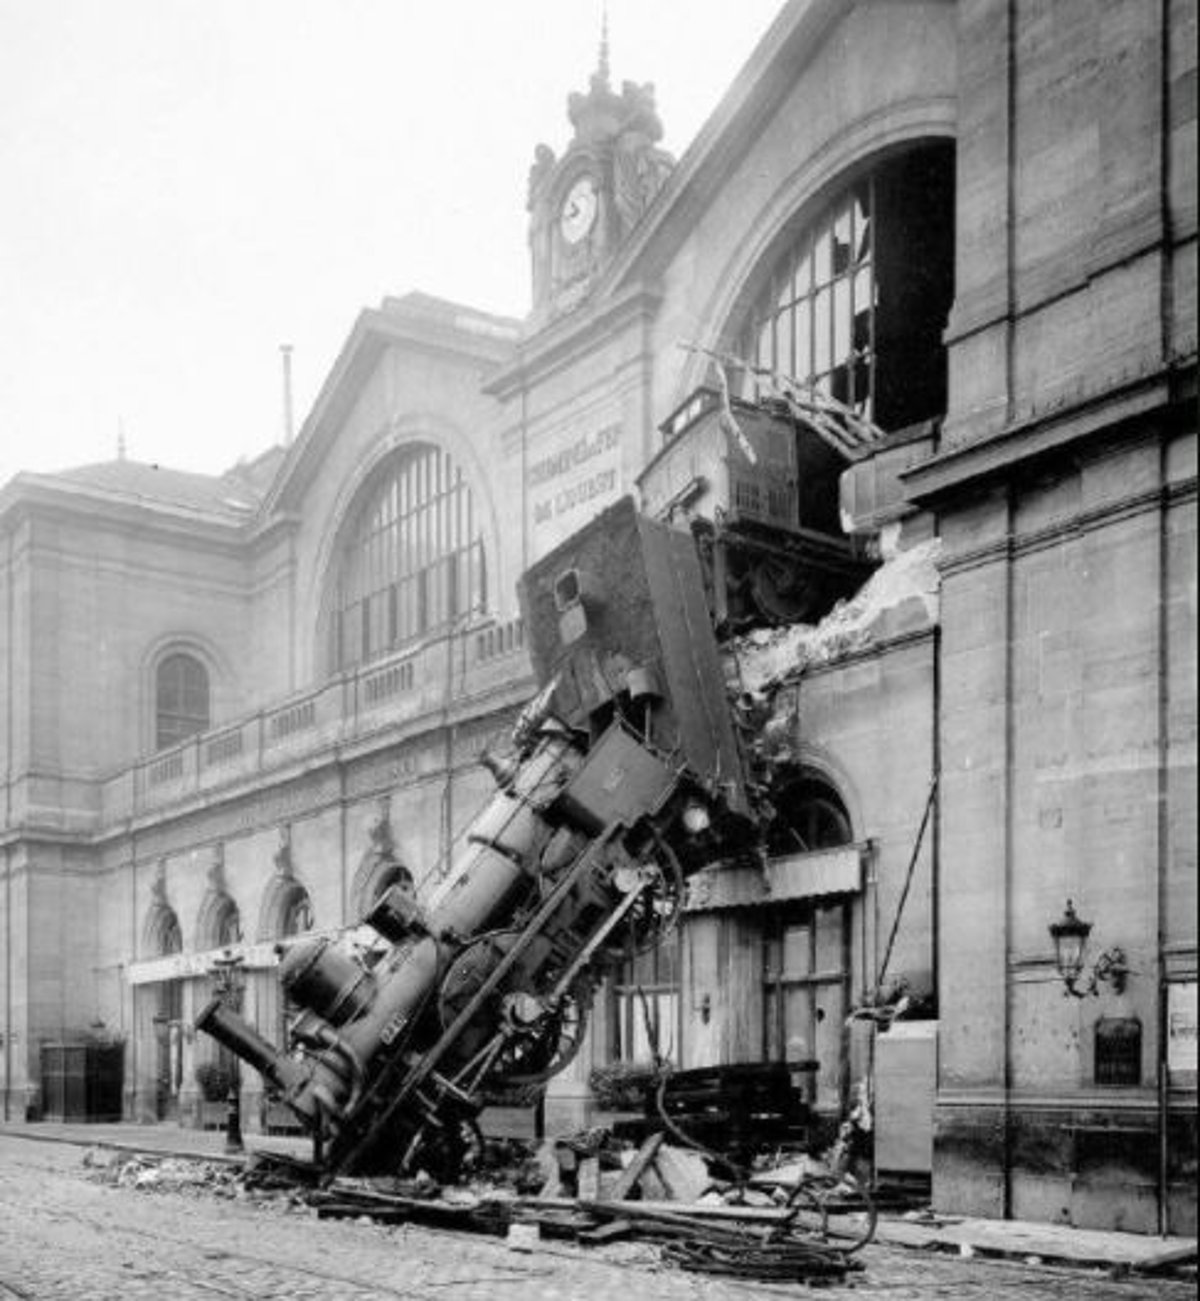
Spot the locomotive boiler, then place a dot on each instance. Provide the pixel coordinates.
(619, 779)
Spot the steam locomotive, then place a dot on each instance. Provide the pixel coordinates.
(619, 779)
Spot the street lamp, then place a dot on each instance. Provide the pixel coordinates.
(1070, 935)
(228, 986)
(162, 1065)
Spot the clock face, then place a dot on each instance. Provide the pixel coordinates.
(579, 210)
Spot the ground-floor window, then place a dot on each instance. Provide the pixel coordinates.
(645, 1004)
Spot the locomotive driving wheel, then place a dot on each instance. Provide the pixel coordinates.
(447, 1149)
(528, 1036)
(543, 1040)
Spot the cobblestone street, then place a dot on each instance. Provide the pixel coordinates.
(65, 1235)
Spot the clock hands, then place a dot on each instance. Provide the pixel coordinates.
(578, 211)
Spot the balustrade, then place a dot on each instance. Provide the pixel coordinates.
(401, 690)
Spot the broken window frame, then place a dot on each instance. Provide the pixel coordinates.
(815, 297)
(880, 309)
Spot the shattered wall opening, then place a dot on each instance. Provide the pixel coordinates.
(857, 301)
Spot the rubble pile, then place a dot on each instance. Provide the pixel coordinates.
(272, 1187)
(902, 595)
(597, 1191)
(160, 1174)
(589, 1188)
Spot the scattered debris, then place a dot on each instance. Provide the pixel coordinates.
(654, 1201)
(523, 1237)
(588, 1188)
(901, 595)
(164, 1174)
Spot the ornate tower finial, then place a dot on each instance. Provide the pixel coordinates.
(602, 68)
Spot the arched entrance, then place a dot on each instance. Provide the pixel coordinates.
(167, 1017)
(807, 946)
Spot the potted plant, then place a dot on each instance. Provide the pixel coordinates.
(214, 1080)
(622, 1085)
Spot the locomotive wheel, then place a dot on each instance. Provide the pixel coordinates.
(448, 1151)
(539, 1041)
(546, 1045)
(467, 973)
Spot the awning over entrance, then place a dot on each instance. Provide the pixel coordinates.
(794, 876)
(179, 966)
(255, 957)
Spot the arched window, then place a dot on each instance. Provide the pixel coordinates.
(181, 699)
(170, 934)
(396, 874)
(412, 562)
(809, 815)
(226, 924)
(166, 937)
(806, 946)
(297, 913)
(295, 918)
(856, 304)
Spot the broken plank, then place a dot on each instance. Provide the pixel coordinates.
(759, 1215)
(629, 1177)
(609, 1232)
(676, 1223)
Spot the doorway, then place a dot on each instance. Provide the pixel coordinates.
(806, 979)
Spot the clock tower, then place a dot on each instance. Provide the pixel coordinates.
(583, 205)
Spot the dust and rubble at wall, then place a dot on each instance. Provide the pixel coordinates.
(902, 595)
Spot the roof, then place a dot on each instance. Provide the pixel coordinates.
(231, 494)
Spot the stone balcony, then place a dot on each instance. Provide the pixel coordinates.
(452, 678)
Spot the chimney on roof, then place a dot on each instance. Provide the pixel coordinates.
(285, 350)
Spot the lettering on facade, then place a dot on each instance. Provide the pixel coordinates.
(572, 484)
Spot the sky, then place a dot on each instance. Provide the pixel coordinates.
(188, 185)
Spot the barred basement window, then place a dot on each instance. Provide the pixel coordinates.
(1118, 1050)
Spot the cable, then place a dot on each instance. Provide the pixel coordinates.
(797, 1261)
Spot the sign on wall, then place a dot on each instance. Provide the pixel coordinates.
(1181, 1027)
(567, 487)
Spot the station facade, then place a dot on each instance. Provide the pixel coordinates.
(239, 707)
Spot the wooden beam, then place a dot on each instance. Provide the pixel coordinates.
(629, 1177)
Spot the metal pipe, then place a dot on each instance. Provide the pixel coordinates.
(244, 1041)
(1162, 829)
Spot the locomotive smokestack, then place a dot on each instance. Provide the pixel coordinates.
(244, 1041)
